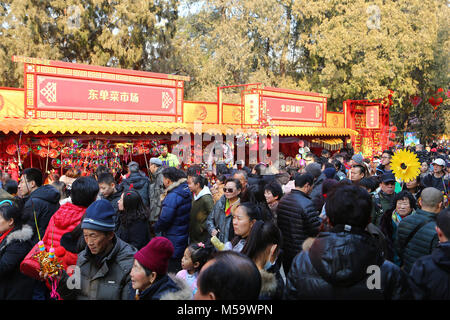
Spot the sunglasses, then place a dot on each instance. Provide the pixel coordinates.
(229, 190)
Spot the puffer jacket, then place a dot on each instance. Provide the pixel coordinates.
(45, 202)
(64, 220)
(422, 243)
(107, 279)
(140, 183)
(217, 220)
(336, 266)
(297, 219)
(173, 221)
(14, 285)
(431, 274)
(155, 190)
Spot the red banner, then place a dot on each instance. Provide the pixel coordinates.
(60, 94)
(372, 117)
(294, 110)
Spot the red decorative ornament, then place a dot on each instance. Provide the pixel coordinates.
(24, 149)
(53, 153)
(45, 142)
(392, 135)
(393, 129)
(11, 149)
(301, 143)
(54, 143)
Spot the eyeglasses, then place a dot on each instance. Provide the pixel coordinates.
(229, 190)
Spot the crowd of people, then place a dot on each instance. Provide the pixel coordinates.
(336, 226)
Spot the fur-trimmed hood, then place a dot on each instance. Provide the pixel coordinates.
(23, 234)
(185, 292)
(172, 187)
(268, 283)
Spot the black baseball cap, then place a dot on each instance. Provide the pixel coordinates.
(388, 177)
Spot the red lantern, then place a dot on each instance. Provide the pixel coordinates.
(393, 129)
(392, 136)
(11, 149)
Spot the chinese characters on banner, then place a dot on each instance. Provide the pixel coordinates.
(113, 96)
(372, 117)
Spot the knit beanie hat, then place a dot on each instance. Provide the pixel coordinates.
(314, 169)
(156, 254)
(100, 215)
(358, 158)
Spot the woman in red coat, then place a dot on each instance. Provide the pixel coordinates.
(69, 215)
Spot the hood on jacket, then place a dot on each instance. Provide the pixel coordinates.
(185, 292)
(68, 215)
(441, 255)
(47, 193)
(342, 258)
(23, 234)
(202, 193)
(4, 195)
(268, 283)
(180, 187)
(137, 180)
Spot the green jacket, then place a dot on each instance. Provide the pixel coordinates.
(170, 160)
(202, 205)
(381, 203)
(423, 241)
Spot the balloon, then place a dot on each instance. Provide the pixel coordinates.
(393, 129)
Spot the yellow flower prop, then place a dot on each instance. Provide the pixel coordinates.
(405, 165)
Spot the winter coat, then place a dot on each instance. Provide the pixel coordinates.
(107, 279)
(272, 285)
(422, 243)
(173, 221)
(202, 205)
(135, 233)
(170, 160)
(14, 285)
(441, 183)
(381, 203)
(155, 190)
(431, 274)
(114, 200)
(217, 220)
(297, 220)
(336, 266)
(140, 183)
(44, 201)
(64, 220)
(168, 287)
(317, 187)
(4, 195)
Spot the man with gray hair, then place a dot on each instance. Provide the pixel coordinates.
(417, 234)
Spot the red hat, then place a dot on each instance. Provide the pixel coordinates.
(156, 254)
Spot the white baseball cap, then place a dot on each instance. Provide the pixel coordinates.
(439, 162)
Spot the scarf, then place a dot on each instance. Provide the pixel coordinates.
(230, 208)
(3, 236)
(396, 218)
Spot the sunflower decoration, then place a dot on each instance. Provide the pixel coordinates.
(405, 165)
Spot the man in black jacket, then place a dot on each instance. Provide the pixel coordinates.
(40, 200)
(345, 262)
(430, 274)
(297, 218)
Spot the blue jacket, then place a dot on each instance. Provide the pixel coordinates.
(173, 221)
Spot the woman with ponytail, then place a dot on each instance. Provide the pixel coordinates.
(263, 247)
